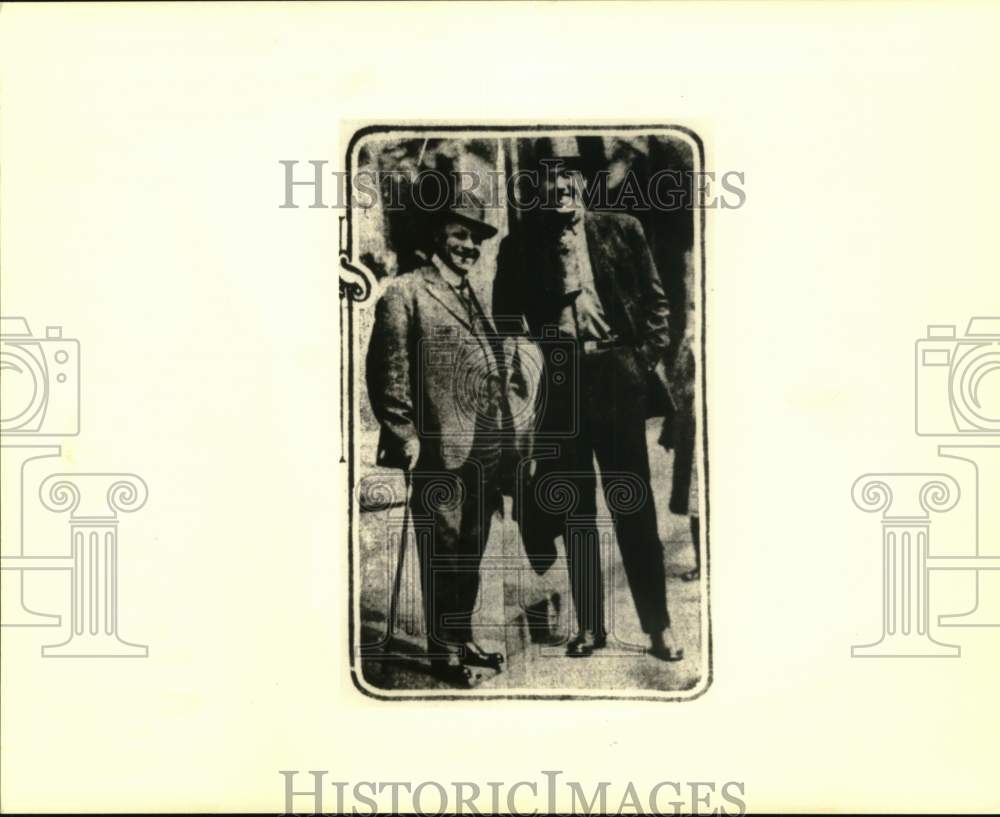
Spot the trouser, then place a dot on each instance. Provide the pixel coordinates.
(452, 513)
(612, 425)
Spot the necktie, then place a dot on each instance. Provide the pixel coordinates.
(491, 409)
(477, 317)
(465, 293)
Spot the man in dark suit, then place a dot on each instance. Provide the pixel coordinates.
(435, 374)
(589, 277)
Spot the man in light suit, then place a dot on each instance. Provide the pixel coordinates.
(589, 278)
(436, 375)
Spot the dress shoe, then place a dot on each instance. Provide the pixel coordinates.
(476, 656)
(450, 668)
(662, 646)
(584, 644)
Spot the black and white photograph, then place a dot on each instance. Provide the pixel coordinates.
(524, 382)
(499, 408)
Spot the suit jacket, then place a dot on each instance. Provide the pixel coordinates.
(635, 305)
(528, 284)
(423, 369)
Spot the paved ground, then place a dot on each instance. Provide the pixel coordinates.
(508, 584)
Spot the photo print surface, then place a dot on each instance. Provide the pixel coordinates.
(524, 382)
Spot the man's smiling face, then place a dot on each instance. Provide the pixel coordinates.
(458, 247)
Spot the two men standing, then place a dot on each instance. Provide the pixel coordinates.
(438, 383)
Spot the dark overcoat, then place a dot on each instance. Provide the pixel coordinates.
(529, 283)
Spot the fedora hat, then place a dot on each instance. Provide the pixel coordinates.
(470, 211)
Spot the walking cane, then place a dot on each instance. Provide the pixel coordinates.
(398, 580)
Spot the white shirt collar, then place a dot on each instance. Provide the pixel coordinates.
(450, 276)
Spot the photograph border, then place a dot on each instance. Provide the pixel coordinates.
(357, 285)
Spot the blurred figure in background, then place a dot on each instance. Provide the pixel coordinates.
(680, 434)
